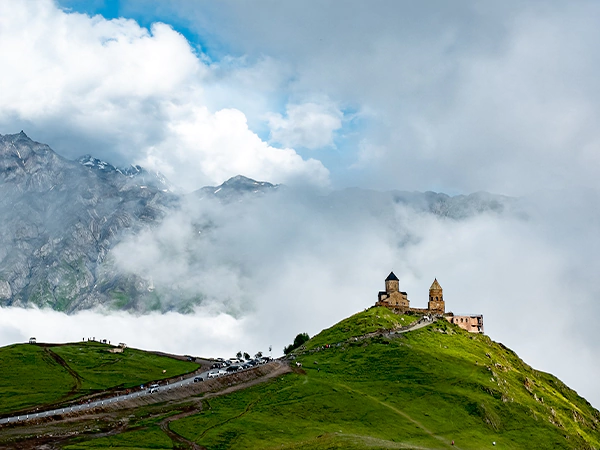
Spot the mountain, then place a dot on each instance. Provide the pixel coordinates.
(236, 189)
(372, 381)
(62, 220)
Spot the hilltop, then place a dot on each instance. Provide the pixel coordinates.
(368, 383)
(45, 375)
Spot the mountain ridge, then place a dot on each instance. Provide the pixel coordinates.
(63, 219)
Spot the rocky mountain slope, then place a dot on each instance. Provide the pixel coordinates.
(61, 219)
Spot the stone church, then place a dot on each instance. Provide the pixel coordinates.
(397, 300)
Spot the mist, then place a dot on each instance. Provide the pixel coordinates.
(256, 272)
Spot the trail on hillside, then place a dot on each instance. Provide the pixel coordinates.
(368, 440)
(178, 439)
(60, 361)
(403, 414)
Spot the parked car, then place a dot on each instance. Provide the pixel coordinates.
(212, 375)
(153, 388)
(232, 368)
(198, 378)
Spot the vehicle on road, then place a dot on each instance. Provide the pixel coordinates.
(196, 379)
(212, 375)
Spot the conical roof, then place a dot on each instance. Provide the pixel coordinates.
(435, 285)
(392, 277)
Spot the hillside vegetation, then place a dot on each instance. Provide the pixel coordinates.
(363, 384)
(37, 375)
(422, 389)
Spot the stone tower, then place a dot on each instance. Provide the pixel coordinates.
(391, 283)
(436, 298)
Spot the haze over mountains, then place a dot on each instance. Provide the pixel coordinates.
(62, 220)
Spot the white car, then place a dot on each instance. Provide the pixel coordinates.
(212, 375)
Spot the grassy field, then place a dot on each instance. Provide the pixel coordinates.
(35, 375)
(424, 389)
(373, 319)
(29, 377)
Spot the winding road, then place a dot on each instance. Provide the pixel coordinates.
(185, 381)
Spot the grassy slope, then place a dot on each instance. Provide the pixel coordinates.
(423, 389)
(29, 376)
(32, 375)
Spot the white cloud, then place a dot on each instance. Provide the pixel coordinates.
(309, 125)
(128, 94)
(502, 96)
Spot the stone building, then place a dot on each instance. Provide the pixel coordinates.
(397, 300)
(470, 322)
(392, 296)
(436, 298)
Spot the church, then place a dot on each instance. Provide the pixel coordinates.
(397, 300)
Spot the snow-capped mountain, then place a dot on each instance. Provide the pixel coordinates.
(137, 174)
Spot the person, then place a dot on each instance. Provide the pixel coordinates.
(452, 442)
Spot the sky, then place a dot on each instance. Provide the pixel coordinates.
(453, 97)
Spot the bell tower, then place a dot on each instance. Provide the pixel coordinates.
(436, 298)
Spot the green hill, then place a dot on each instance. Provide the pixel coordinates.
(39, 375)
(422, 389)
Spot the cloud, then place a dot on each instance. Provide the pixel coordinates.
(501, 97)
(309, 125)
(129, 94)
(291, 263)
(296, 262)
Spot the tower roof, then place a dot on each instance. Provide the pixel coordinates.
(392, 277)
(435, 285)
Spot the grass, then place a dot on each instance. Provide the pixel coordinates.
(423, 389)
(151, 437)
(99, 369)
(30, 376)
(34, 375)
(369, 321)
